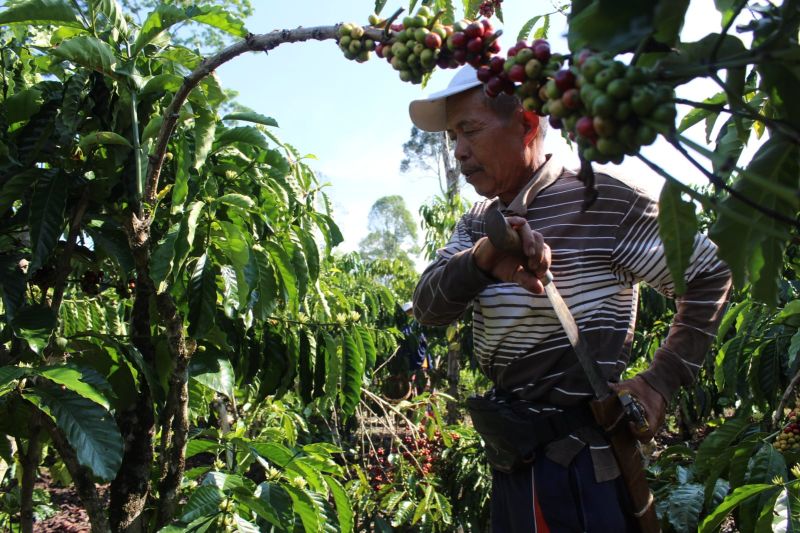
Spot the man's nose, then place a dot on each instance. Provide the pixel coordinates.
(461, 151)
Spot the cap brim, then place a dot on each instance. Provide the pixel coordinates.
(430, 114)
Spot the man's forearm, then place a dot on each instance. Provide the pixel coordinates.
(699, 311)
(447, 288)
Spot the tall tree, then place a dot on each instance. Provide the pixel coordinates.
(431, 152)
(392, 232)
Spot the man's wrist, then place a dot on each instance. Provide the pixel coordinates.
(483, 254)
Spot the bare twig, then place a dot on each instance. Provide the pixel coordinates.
(717, 182)
(251, 43)
(778, 125)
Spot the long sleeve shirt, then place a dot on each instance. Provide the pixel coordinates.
(598, 258)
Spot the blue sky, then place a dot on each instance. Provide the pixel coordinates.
(354, 117)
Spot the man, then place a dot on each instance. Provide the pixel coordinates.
(597, 258)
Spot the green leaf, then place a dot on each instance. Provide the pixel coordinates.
(236, 200)
(765, 371)
(230, 290)
(15, 187)
(166, 15)
(252, 116)
(186, 234)
(214, 371)
(527, 28)
(333, 366)
(713, 445)
(41, 12)
(205, 126)
(370, 352)
(90, 52)
(202, 298)
(47, 217)
(305, 507)
(794, 348)
(405, 510)
(352, 375)
(766, 465)
(543, 31)
(668, 20)
(113, 13)
(8, 376)
(12, 285)
(685, 505)
(225, 482)
(22, 105)
(89, 428)
(746, 248)
(677, 226)
(613, 26)
(344, 510)
(102, 138)
(310, 251)
(203, 501)
(198, 446)
(242, 134)
(283, 262)
(697, 114)
(712, 522)
(111, 242)
(34, 324)
(163, 257)
(305, 366)
(267, 294)
(76, 380)
(160, 83)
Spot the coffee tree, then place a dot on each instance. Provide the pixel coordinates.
(168, 289)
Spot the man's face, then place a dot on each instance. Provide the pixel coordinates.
(490, 148)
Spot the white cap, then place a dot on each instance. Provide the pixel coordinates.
(429, 113)
(407, 307)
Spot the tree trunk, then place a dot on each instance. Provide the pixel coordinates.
(175, 425)
(30, 466)
(130, 489)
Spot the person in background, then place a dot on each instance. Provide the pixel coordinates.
(414, 348)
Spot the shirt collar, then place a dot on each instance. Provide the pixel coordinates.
(544, 176)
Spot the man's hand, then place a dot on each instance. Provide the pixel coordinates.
(654, 405)
(525, 268)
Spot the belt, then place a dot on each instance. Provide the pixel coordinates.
(512, 433)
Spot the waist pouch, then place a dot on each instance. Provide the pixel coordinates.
(512, 436)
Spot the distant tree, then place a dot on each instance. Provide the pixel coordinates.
(392, 231)
(431, 153)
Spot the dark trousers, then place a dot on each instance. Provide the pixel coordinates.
(548, 497)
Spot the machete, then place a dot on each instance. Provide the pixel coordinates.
(609, 408)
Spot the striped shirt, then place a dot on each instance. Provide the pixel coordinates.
(598, 258)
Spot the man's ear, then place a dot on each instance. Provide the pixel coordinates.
(531, 124)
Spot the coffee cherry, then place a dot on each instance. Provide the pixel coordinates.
(517, 73)
(565, 80)
(542, 52)
(433, 40)
(475, 45)
(474, 30)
